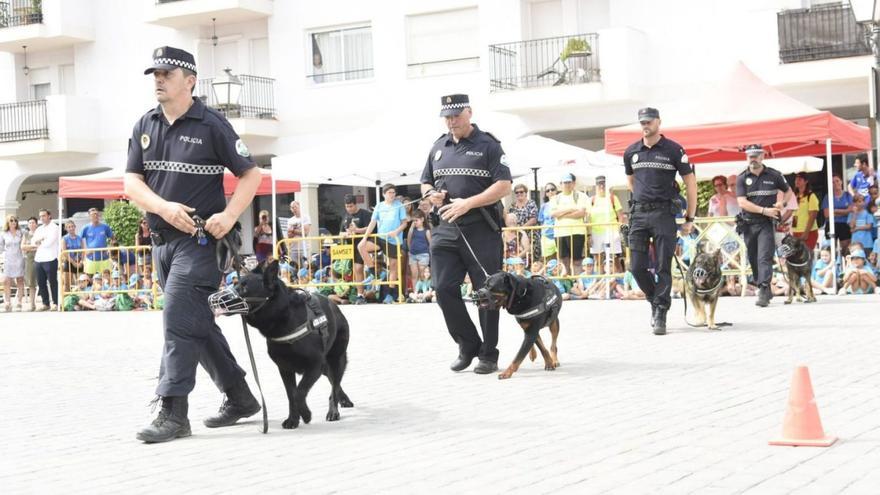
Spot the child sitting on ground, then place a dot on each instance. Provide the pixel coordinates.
(627, 288)
(587, 286)
(424, 290)
(858, 278)
(822, 276)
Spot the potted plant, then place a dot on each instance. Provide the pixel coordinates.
(575, 47)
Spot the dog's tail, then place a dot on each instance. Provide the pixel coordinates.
(533, 354)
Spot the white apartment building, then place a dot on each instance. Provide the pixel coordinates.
(316, 74)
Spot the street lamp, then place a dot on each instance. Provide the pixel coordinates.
(227, 90)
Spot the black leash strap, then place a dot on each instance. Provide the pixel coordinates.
(247, 340)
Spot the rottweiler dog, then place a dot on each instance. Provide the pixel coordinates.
(704, 280)
(798, 268)
(535, 303)
(305, 333)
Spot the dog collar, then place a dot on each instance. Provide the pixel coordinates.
(713, 289)
(796, 265)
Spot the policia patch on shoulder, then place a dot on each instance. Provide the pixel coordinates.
(145, 141)
(242, 149)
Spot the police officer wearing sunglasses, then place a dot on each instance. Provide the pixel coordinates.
(176, 160)
(651, 165)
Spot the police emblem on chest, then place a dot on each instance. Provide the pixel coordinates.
(145, 141)
(635, 158)
(437, 155)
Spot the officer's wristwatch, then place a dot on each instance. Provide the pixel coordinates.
(688, 219)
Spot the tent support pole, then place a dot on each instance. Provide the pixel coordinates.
(275, 221)
(830, 195)
(60, 245)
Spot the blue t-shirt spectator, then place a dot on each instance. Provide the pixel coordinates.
(96, 237)
(840, 203)
(860, 183)
(818, 265)
(73, 243)
(388, 218)
(546, 219)
(863, 237)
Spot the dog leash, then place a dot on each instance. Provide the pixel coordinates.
(684, 297)
(247, 340)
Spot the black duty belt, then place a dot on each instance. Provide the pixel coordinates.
(164, 236)
(642, 206)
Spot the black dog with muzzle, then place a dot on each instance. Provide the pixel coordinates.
(535, 303)
(305, 333)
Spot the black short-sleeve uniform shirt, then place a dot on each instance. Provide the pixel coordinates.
(466, 168)
(654, 169)
(185, 162)
(760, 189)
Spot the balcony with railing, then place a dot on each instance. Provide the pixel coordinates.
(44, 24)
(53, 126)
(254, 114)
(547, 62)
(188, 13)
(818, 33)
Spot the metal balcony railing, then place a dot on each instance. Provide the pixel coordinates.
(821, 32)
(257, 99)
(23, 121)
(20, 13)
(544, 62)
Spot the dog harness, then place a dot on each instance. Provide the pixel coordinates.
(316, 322)
(549, 303)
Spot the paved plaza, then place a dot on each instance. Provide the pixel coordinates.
(627, 412)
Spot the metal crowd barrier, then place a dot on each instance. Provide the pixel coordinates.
(126, 260)
(331, 265)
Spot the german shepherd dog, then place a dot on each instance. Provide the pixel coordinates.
(798, 268)
(704, 280)
(306, 334)
(535, 303)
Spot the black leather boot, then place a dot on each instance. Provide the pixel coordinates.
(461, 363)
(763, 297)
(170, 423)
(659, 320)
(239, 403)
(484, 367)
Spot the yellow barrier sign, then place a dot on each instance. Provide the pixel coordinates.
(342, 252)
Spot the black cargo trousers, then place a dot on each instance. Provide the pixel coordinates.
(653, 224)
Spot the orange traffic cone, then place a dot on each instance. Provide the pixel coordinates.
(802, 426)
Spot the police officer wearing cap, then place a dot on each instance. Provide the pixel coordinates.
(756, 192)
(465, 177)
(651, 164)
(176, 159)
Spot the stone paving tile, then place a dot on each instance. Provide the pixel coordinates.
(627, 412)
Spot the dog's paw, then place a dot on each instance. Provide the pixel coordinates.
(810, 300)
(549, 366)
(533, 354)
(713, 327)
(332, 416)
(344, 401)
(306, 415)
(290, 423)
(787, 301)
(504, 375)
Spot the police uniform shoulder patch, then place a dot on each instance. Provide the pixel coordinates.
(242, 149)
(437, 155)
(145, 141)
(491, 136)
(684, 157)
(635, 157)
(749, 181)
(504, 161)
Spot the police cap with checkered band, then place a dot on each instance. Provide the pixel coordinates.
(453, 104)
(170, 58)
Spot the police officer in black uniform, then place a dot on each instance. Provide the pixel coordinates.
(756, 192)
(651, 164)
(465, 177)
(176, 159)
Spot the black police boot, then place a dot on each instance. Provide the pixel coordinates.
(763, 297)
(239, 403)
(170, 423)
(461, 363)
(485, 367)
(659, 320)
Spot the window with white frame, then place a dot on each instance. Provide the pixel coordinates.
(443, 42)
(343, 54)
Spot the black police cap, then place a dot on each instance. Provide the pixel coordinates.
(169, 58)
(753, 149)
(648, 113)
(453, 104)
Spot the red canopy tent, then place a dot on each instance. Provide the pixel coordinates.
(109, 185)
(741, 109)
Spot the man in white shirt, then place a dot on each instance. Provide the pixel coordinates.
(46, 259)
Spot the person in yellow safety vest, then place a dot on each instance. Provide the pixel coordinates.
(569, 208)
(605, 208)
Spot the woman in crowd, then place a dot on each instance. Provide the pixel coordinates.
(142, 241)
(263, 238)
(843, 206)
(13, 267)
(30, 272)
(516, 242)
(548, 242)
(861, 223)
(805, 225)
(72, 264)
(526, 214)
